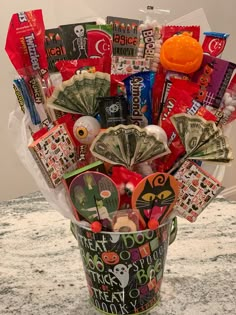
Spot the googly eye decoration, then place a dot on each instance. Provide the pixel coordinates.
(86, 129)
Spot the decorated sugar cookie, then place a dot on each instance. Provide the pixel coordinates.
(94, 195)
(155, 196)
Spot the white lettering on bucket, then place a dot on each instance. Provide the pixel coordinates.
(139, 238)
(104, 296)
(103, 279)
(112, 308)
(99, 245)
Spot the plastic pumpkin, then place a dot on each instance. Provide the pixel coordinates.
(181, 53)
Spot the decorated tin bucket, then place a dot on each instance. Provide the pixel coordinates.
(124, 270)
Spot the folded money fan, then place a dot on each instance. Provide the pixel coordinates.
(79, 94)
(128, 145)
(202, 139)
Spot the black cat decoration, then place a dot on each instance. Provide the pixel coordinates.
(155, 196)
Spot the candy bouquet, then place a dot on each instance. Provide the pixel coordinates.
(118, 121)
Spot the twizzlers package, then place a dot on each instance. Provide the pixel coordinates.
(25, 47)
(25, 43)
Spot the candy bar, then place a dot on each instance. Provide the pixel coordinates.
(214, 43)
(213, 78)
(125, 36)
(138, 88)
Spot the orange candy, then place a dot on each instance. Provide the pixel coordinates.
(181, 53)
(96, 227)
(153, 224)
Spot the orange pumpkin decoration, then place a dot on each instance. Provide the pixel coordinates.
(110, 258)
(181, 53)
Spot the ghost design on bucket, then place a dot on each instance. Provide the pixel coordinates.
(115, 238)
(121, 272)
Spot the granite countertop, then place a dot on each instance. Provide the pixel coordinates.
(41, 271)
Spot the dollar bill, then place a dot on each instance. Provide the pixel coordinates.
(74, 90)
(190, 130)
(102, 85)
(136, 145)
(79, 94)
(212, 146)
(194, 131)
(151, 148)
(67, 98)
(108, 146)
(89, 92)
(127, 145)
(216, 149)
(104, 152)
(119, 143)
(59, 101)
(209, 131)
(128, 141)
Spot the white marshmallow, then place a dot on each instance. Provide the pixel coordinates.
(141, 45)
(142, 27)
(154, 23)
(233, 103)
(227, 112)
(231, 108)
(226, 94)
(228, 100)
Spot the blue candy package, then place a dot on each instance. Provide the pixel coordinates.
(139, 96)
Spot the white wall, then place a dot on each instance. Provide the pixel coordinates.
(15, 179)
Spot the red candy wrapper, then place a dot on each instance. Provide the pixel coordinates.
(69, 120)
(117, 84)
(164, 88)
(68, 68)
(83, 154)
(171, 30)
(36, 135)
(156, 95)
(25, 48)
(214, 43)
(25, 43)
(100, 43)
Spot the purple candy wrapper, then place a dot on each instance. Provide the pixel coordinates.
(213, 78)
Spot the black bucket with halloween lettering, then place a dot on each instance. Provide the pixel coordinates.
(124, 271)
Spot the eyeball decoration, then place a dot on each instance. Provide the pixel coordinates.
(86, 129)
(158, 132)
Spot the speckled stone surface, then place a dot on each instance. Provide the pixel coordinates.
(41, 271)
